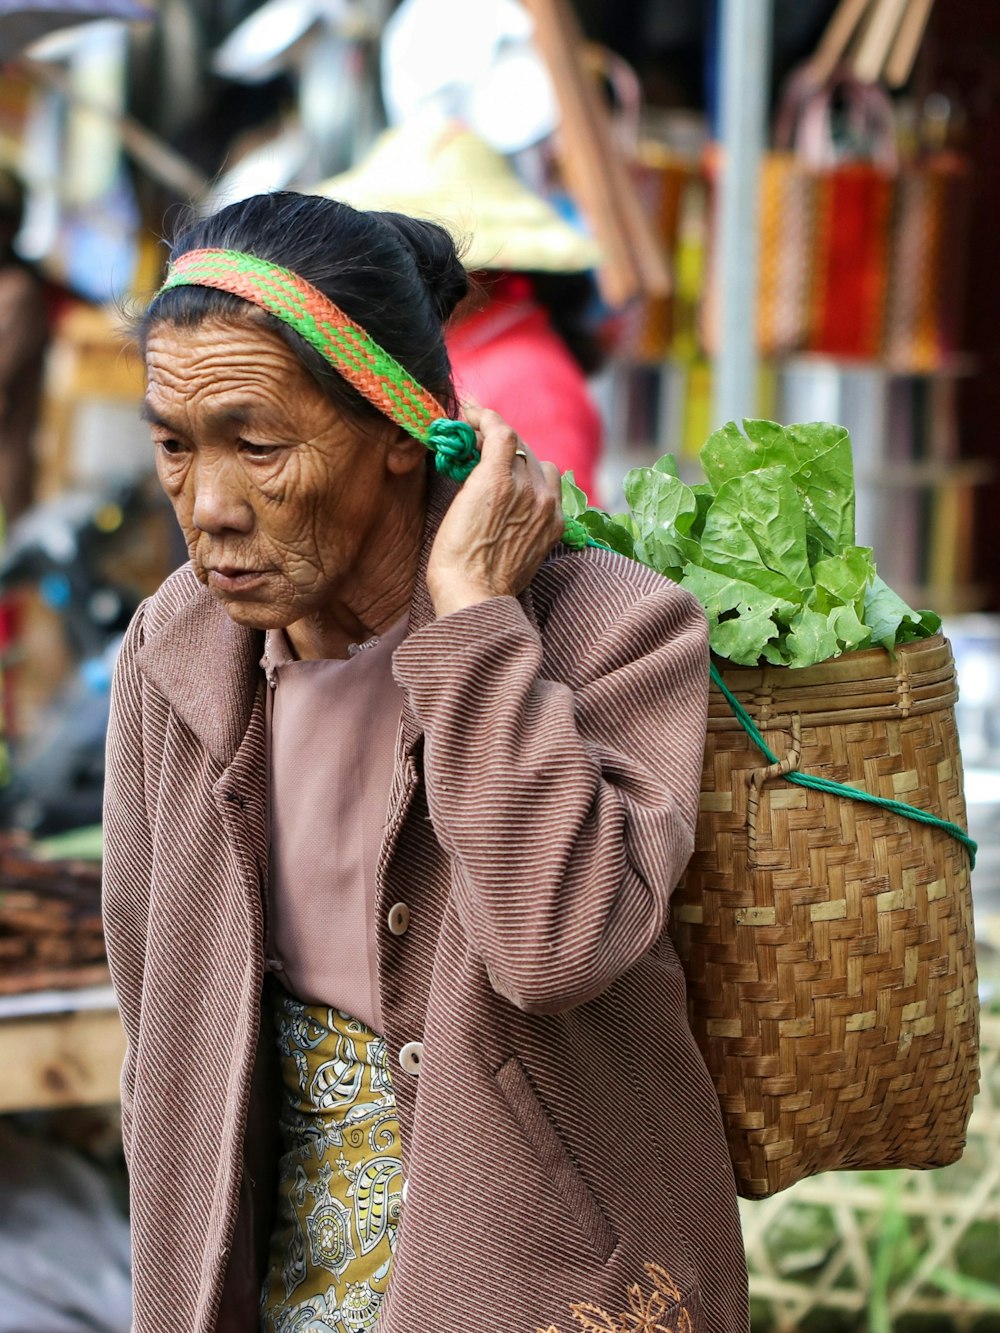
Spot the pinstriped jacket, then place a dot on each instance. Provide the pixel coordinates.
(562, 1144)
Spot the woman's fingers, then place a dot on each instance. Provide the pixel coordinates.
(504, 453)
(500, 442)
(471, 411)
(503, 448)
(542, 482)
(553, 480)
(501, 525)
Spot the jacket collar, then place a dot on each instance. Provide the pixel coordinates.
(207, 667)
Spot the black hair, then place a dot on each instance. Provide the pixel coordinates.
(571, 299)
(398, 277)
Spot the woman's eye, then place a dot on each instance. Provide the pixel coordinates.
(258, 452)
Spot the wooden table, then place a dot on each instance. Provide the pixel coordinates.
(58, 1049)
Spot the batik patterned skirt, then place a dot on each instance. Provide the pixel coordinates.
(339, 1175)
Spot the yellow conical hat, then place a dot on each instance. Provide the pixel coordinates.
(439, 170)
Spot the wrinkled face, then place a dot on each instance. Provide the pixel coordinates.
(278, 495)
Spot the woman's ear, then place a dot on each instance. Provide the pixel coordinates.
(403, 454)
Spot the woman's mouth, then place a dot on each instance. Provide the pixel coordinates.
(232, 579)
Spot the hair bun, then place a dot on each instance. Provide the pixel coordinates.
(437, 260)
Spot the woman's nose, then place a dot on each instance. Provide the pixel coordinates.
(219, 502)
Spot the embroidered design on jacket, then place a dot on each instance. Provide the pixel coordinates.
(656, 1311)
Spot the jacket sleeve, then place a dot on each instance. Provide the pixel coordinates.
(128, 856)
(568, 809)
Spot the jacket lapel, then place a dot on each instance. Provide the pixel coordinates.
(207, 668)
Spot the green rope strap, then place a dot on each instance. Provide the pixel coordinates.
(456, 451)
(838, 788)
(349, 349)
(576, 536)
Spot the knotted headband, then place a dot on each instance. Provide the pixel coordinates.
(351, 351)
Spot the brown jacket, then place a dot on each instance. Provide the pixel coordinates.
(562, 1144)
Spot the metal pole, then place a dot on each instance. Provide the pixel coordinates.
(745, 32)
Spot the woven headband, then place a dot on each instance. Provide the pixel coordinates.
(339, 340)
(351, 351)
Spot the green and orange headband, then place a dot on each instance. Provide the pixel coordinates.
(339, 340)
(351, 351)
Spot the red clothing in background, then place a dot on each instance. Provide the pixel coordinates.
(508, 357)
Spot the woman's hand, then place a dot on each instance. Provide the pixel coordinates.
(501, 525)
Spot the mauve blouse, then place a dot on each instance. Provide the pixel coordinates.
(333, 726)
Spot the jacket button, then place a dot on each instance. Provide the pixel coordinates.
(399, 919)
(410, 1056)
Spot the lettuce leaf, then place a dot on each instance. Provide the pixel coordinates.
(891, 621)
(756, 521)
(824, 478)
(664, 510)
(609, 532)
(766, 543)
(811, 638)
(742, 617)
(574, 501)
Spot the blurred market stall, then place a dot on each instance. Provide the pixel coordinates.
(23, 24)
(844, 269)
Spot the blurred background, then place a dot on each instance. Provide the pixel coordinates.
(687, 211)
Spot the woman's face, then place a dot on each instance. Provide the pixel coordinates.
(279, 496)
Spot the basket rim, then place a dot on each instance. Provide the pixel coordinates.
(862, 686)
(933, 643)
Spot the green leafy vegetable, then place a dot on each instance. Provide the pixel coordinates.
(742, 619)
(766, 544)
(608, 532)
(574, 501)
(755, 523)
(664, 512)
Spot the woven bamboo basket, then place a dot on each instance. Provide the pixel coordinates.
(827, 943)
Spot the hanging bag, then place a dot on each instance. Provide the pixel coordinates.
(791, 195)
(825, 208)
(844, 132)
(927, 266)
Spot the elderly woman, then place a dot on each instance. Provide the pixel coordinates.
(398, 788)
